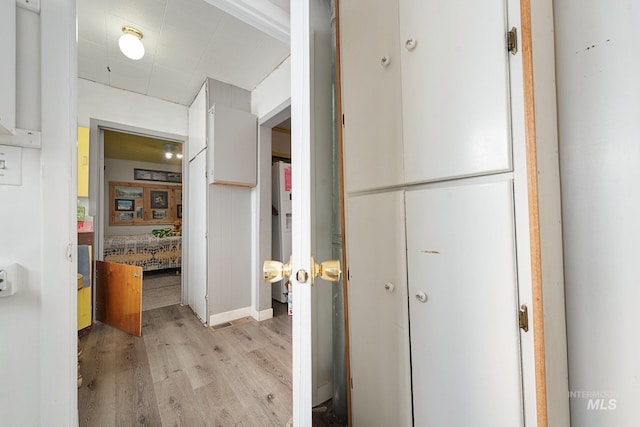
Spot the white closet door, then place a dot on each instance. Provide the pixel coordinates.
(371, 93)
(378, 313)
(454, 88)
(197, 268)
(464, 333)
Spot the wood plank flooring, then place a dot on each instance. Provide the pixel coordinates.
(180, 373)
(160, 289)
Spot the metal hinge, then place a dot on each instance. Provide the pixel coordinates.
(512, 41)
(523, 318)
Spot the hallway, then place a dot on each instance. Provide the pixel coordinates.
(180, 373)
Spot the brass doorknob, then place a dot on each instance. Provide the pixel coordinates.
(274, 271)
(328, 270)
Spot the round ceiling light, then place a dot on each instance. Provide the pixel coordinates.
(131, 43)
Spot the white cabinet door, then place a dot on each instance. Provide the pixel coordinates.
(371, 94)
(378, 316)
(198, 124)
(464, 333)
(197, 268)
(455, 88)
(233, 139)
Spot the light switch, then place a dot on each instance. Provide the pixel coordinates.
(10, 165)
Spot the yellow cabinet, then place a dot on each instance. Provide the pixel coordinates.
(83, 162)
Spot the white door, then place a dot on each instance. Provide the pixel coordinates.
(311, 196)
(197, 268)
(463, 305)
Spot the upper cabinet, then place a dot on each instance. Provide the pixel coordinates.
(83, 162)
(423, 100)
(232, 147)
(455, 89)
(371, 94)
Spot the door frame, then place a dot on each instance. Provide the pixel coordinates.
(96, 187)
(261, 305)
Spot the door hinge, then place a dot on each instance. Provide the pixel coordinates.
(523, 318)
(351, 381)
(512, 41)
(343, 120)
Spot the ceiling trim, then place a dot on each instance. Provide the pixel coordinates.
(264, 15)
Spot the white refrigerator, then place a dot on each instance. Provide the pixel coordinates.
(281, 222)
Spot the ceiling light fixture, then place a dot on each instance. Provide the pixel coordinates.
(131, 43)
(170, 150)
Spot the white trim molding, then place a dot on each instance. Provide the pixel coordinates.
(229, 316)
(262, 314)
(263, 15)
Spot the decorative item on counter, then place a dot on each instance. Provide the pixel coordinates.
(85, 226)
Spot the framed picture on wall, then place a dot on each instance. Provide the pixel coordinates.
(129, 192)
(159, 214)
(124, 205)
(174, 177)
(142, 174)
(126, 216)
(139, 213)
(159, 199)
(179, 211)
(158, 176)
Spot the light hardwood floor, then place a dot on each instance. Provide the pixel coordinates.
(160, 289)
(180, 373)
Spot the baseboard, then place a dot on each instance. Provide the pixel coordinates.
(324, 393)
(262, 315)
(228, 316)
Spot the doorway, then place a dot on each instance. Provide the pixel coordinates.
(136, 185)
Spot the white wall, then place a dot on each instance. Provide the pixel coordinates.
(97, 101)
(598, 108)
(117, 170)
(272, 91)
(37, 366)
(270, 101)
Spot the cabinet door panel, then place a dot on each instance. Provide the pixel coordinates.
(371, 94)
(197, 241)
(454, 88)
(378, 317)
(464, 336)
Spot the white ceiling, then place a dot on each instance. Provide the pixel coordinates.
(185, 42)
